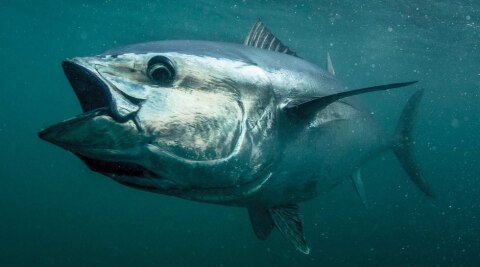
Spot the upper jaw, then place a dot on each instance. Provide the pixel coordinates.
(95, 91)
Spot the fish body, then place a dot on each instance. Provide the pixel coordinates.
(250, 125)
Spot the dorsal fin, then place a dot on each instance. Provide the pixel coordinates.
(261, 37)
(330, 65)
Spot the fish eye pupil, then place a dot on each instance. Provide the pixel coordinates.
(160, 71)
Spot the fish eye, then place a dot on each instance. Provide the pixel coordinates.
(160, 70)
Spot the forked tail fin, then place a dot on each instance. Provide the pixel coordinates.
(403, 142)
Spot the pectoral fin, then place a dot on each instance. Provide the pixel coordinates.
(305, 107)
(359, 186)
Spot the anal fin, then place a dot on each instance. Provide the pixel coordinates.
(289, 222)
(359, 186)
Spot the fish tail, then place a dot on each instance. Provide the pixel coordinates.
(403, 143)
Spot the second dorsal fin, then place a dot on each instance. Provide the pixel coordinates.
(330, 65)
(261, 37)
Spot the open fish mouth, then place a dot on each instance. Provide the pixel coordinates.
(95, 100)
(95, 91)
(91, 90)
(94, 94)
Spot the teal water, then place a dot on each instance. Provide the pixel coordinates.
(56, 212)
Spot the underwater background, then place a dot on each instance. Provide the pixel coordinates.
(56, 212)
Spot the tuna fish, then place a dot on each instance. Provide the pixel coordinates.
(249, 125)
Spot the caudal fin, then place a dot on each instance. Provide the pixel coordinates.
(403, 143)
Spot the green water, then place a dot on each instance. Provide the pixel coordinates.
(56, 212)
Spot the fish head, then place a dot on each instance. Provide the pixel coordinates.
(167, 120)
